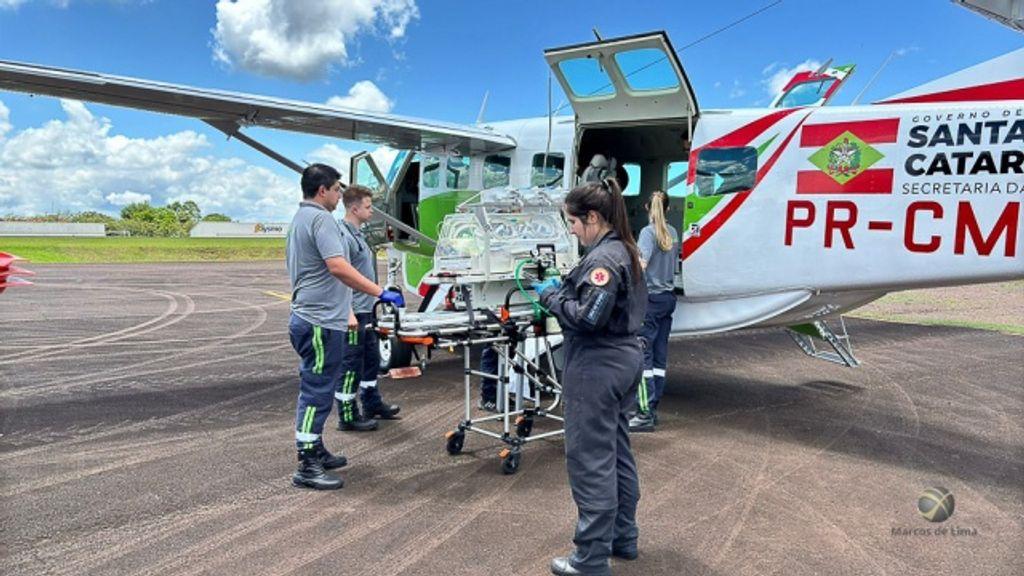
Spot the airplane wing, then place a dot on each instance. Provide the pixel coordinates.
(220, 107)
(1006, 12)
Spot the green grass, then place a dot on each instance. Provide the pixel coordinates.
(117, 250)
(1012, 329)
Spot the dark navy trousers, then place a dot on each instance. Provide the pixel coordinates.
(320, 360)
(360, 365)
(656, 329)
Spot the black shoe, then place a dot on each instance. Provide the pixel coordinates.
(330, 461)
(310, 473)
(488, 406)
(384, 412)
(562, 567)
(642, 422)
(359, 424)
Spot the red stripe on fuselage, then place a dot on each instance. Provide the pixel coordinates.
(691, 244)
(877, 181)
(871, 131)
(742, 136)
(1007, 90)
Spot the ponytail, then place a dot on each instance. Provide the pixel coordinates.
(657, 208)
(606, 199)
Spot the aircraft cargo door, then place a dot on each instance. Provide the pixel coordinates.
(634, 80)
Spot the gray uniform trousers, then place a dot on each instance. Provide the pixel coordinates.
(600, 382)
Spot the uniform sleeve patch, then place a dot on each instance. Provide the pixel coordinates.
(599, 276)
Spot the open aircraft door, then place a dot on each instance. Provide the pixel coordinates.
(364, 171)
(632, 101)
(630, 80)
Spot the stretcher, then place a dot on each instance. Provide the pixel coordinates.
(527, 377)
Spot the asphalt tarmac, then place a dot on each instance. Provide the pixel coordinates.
(147, 428)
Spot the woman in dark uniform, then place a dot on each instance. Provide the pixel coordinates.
(600, 308)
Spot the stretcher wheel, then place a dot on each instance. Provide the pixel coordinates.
(453, 441)
(524, 426)
(509, 461)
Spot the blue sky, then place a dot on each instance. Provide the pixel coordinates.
(424, 59)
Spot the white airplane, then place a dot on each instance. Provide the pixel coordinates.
(792, 215)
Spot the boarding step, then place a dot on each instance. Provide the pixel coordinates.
(805, 335)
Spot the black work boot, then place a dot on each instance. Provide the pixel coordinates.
(350, 420)
(642, 422)
(329, 461)
(382, 411)
(311, 474)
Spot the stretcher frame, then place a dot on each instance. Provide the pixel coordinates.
(506, 332)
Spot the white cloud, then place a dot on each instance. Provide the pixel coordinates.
(736, 91)
(302, 39)
(80, 163)
(364, 95)
(339, 158)
(11, 4)
(5, 120)
(127, 197)
(778, 80)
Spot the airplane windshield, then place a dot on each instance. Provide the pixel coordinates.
(806, 93)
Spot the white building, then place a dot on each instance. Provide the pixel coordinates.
(239, 230)
(52, 229)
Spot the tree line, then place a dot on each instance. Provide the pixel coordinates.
(138, 219)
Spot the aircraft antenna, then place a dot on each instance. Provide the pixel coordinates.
(873, 78)
(483, 107)
(727, 26)
(597, 34)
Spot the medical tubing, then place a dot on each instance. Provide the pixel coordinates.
(519, 283)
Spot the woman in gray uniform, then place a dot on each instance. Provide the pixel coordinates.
(600, 308)
(659, 252)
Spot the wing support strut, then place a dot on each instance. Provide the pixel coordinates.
(805, 334)
(233, 130)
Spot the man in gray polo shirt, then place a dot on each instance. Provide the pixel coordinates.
(362, 353)
(322, 281)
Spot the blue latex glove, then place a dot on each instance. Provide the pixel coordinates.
(544, 286)
(392, 297)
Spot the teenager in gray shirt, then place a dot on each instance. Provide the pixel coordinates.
(322, 281)
(659, 252)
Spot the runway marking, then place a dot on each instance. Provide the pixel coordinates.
(281, 295)
(172, 306)
(132, 371)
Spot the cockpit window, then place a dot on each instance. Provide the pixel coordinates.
(647, 69)
(586, 78)
(458, 172)
(431, 172)
(497, 170)
(806, 93)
